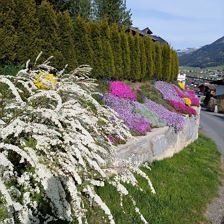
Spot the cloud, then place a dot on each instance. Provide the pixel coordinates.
(191, 23)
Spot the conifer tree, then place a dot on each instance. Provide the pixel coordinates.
(143, 58)
(27, 28)
(66, 39)
(82, 42)
(8, 35)
(48, 31)
(117, 51)
(176, 66)
(166, 62)
(115, 10)
(126, 57)
(97, 46)
(149, 48)
(158, 62)
(76, 8)
(108, 58)
(172, 65)
(135, 57)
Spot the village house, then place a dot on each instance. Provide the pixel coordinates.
(146, 32)
(220, 94)
(214, 92)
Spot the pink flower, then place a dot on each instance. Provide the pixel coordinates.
(122, 90)
(182, 108)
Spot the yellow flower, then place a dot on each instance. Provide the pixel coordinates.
(45, 81)
(181, 85)
(187, 101)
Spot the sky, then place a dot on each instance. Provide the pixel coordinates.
(183, 23)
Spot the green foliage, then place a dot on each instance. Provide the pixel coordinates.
(83, 42)
(8, 36)
(114, 10)
(158, 62)
(3, 211)
(126, 57)
(81, 8)
(27, 29)
(97, 47)
(10, 69)
(143, 59)
(48, 30)
(29, 26)
(108, 58)
(135, 57)
(166, 62)
(174, 65)
(66, 39)
(181, 184)
(150, 51)
(117, 51)
(103, 86)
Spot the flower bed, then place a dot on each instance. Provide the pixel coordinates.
(183, 108)
(122, 90)
(180, 100)
(190, 94)
(152, 117)
(141, 117)
(172, 119)
(125, 110)
(194, 99)
(168, 91)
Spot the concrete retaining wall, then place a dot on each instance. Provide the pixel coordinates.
(159, 144)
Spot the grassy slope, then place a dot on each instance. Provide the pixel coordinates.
(184, 185)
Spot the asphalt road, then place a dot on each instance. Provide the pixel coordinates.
(212, 124)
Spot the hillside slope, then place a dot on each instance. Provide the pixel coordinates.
(206, 56)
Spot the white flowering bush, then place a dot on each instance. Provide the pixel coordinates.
(54, 148)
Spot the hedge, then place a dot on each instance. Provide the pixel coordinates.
(27, 28)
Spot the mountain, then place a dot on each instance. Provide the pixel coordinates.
(185, 51)
(206, 56)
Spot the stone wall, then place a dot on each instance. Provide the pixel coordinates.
(158, 144)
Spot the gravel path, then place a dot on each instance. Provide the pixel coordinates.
(212, 125)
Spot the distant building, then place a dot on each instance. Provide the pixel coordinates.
(220, 94)
(182, 77)
(146, 32)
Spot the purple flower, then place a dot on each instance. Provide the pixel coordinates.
(125, 110)
(172, 119)
(168, 91)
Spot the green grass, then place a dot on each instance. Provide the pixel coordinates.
(10, 69)
(185, 184)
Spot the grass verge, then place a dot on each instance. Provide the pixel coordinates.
(185, 184)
